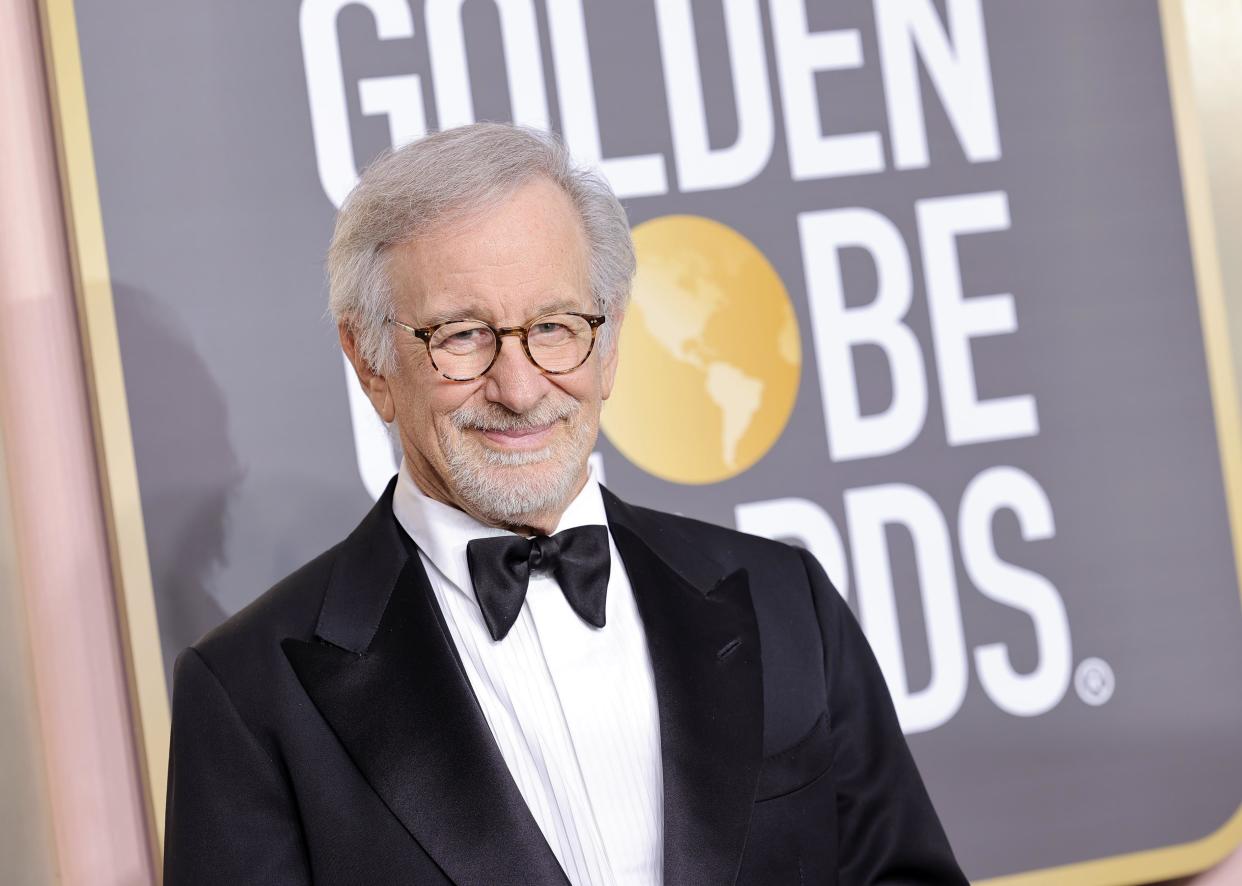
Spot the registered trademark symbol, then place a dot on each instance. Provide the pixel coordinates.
(1094, 681)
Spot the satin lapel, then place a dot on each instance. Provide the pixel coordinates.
(704, 645)
(385, 678)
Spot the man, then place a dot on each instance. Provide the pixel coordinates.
(506, 674)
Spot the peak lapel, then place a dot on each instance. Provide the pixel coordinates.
(382, 672)
(704, 645)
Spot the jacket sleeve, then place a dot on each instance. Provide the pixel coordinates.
(231, 817)
(888, 830)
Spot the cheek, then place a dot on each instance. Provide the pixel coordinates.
(414, 405)
(442, 399)
(585, 386)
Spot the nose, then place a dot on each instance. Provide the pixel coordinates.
(513, 381)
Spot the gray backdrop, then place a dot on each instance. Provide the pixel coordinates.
(216, 223)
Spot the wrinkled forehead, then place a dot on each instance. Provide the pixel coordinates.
(525, 252)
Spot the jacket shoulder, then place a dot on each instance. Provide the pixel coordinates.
(783, 597)
(290, 608)
(731, 548)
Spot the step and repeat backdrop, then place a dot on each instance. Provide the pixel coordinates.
(935, 319)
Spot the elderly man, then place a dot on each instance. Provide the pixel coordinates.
(506, 674)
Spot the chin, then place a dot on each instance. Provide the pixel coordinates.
(508, 486)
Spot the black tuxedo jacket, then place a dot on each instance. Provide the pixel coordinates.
(328, 734)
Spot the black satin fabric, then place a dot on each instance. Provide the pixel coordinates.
(501, 566)
(327, 733)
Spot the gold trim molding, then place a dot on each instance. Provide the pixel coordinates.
(1198, 855)
(127, 540)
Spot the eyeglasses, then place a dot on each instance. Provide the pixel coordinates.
(463, 350)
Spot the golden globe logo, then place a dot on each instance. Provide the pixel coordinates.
(710, 354)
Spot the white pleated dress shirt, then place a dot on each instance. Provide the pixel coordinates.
(572, 707)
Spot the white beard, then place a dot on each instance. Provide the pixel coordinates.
(493, 483)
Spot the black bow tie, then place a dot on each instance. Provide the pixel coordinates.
(500, 569)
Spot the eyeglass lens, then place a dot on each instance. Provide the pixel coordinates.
(556, 343)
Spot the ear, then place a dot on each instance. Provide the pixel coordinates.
(608, 360)
(373, 384)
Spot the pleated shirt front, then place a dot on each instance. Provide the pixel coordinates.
(572, 707)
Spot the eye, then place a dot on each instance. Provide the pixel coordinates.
(550, 331)
(462, 338)
(465, 335)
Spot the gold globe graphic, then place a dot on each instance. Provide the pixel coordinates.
(710, 354)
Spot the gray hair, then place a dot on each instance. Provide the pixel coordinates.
(445, 176)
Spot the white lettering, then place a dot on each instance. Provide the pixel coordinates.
(868, 511)
(372, 445)
(1023, 695)
(446, 47)
(699, 166)
(401, 100)
(799, 56)
(957, 66)
(955, 320)
(836, 329)
(399, 97)
(638, 176)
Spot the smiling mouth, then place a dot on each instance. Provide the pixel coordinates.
(519, 438)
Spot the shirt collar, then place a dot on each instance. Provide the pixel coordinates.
(442, 531)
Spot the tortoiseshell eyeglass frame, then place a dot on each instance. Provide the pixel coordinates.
(595, 321)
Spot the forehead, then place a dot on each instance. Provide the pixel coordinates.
(524, 253)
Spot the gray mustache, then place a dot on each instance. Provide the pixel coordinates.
(497, 418)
